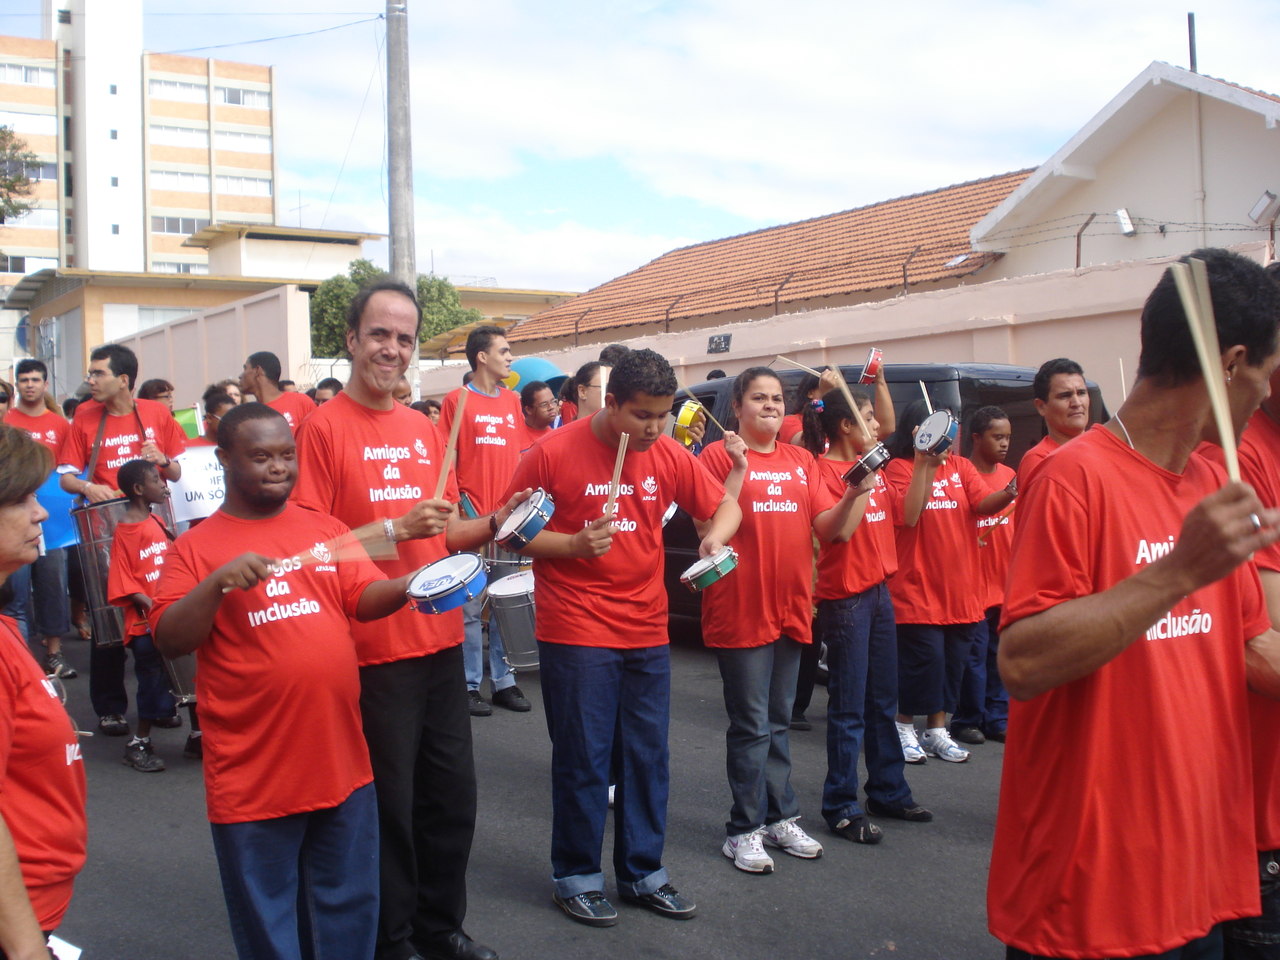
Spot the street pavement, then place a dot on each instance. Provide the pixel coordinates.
(150, 889)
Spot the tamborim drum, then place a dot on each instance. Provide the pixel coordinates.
(689, 411)
(710, 569)
(871, 366)
(867, 464)
(937, 434)
(447, 584)
(182, 678)
(526, 521)
(511, 603)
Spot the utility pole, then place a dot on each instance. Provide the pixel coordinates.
(400, 157)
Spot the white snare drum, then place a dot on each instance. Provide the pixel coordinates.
(937, 434)
(710, 569)
(526, 521)
(182, 678)
(871, 366)
(447, 584)
(511, 603)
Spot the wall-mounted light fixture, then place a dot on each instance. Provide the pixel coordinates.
(1266, 209)
(1126, 222)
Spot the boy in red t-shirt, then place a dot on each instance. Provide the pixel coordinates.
(137, 556)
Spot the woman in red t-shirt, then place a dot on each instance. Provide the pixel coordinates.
(758, 617)
(937, 597)
(42, 788)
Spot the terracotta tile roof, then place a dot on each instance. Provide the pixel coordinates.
(839, 254)
(1240, 86)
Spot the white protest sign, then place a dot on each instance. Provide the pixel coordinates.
(200, 491)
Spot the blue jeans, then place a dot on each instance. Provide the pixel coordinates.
(1258, 938)
(931, 660)
(473, 649)
(106, 680)
(862, 690)
(759, 691)
(983, 701)
(595, 697)
(40, 603)
(305, 886)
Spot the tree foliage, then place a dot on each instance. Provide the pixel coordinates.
(441, 307)
(15, 185)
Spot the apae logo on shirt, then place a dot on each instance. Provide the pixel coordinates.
(650, 487)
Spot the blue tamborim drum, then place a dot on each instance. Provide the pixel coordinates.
(447, 584)
(867, 464)
(526, 521)
(937, 434)
(710, 569)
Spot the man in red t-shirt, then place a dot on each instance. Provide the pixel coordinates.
(490, 438)
(602, 633)
(540, 407)
(1062, 397)
(364, 458)
(1130, 601)
(287, 774)
(40, 599)
(261, 377)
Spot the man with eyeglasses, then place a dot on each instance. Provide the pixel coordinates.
(540, 408)
(45, 581)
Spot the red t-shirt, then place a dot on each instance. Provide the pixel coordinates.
(362, 465)
(294, 407)
(1103, 847)
(617, 600)
(531, 436)
(1032, 459)
(49, 428)
(42, 788)
(277, 679)
(792, 424)
(490, 439)
(937, 580)
(120, 441)
(995, 534)
(137, 560)
(870, 556)
(569, 414)
(770, 594)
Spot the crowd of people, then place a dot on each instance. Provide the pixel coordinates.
(933, 580)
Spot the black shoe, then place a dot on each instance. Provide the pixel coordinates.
(167, 723)
(510, 698)
(56, 665)
(137, 754)
(800, 722)
(458, 947)
(591, 908)
(194, 750)
(113, 725)
(479, 705)
(859, 829)
(996, 735)
(969, 734)
(916, 814)
(666, 900)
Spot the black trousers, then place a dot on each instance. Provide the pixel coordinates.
(418, 728)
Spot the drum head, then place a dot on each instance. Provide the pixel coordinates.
(515, 585)
(706, 563)
(521, 513)
(444, 575)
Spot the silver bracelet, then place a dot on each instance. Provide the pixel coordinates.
(389, 527)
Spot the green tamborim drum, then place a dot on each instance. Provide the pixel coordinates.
(710, 569)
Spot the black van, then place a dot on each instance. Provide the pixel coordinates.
(961, 387)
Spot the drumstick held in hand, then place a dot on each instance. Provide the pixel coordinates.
(617, 474)
(844, 389)
(704, 409)
(1193, 288)
(369, 540)
(451, 448)
(1007, 511)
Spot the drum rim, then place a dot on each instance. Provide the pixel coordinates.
(521, 514)
(496, 591)
(711, 563)
(473, 563)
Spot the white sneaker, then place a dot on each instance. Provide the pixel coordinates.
(787, 836)
(911, 751)
(938, 743)
(746, 850)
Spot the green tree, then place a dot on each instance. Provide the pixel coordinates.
(441, 307)
(15, 185)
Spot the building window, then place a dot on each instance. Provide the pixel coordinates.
(39, 124)
(38, 218)
(115, 229)
(64, 16)
(245, 186)
(171, 266)
(162, 135)
(177, 90)
(112, 89)
(115, 134)
(177, 180)
(33, 171)
(66, 133)
(115, 181)
(66, 178)
(257, 99)
(32, 76)
(243, 142)
(182, 226)
(25, 264)
(66, 225)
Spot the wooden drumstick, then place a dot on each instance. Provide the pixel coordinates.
(925, 392)
(1006, 512)
(370, 540)
(704, 409)
(1193, 288)
(451, 448)
(617, 474)
(844, 388)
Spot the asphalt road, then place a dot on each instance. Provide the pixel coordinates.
(150, 890)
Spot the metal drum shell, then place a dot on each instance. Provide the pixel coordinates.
(512, 602)
(533, 516)
(867, 464)
(721, 564)
(937, 433)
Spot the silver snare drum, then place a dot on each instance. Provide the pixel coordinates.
(511, 604)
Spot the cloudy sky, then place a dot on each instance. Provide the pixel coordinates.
(559, 143)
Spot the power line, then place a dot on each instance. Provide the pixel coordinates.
(287, 36)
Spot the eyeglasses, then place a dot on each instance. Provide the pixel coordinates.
(97, 374)
(547, 405)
